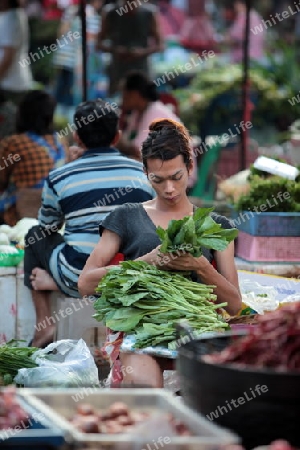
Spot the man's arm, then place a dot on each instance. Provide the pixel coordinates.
(6, 165)
(6, 60)
(50, 213)
(128, 149)
(103, 35)
(158, 44)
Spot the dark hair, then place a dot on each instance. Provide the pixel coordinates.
(35, 113)
(96, 123)
(12, 4)
(138, 81)
(166, 140)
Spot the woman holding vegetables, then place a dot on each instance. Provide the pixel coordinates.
(131, 230)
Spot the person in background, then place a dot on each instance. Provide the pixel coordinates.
(167, 161)
(29, 155)
(64, 61)
(235, 35)
(130, 35)
(52, 10)
(171, 19)
(198, 33)
(78, 195)
(140, 97)
(15, 80)
(94, 58)
(8, 111)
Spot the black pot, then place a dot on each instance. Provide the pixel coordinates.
(258, 405)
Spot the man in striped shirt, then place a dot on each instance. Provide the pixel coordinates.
(78, 195)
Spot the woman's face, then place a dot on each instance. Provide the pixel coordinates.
(169, 178)
(130, 100)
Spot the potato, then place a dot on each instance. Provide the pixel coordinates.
(85, 409)
(125, 420)
(118, 409)
(88, 424)
(113, 427)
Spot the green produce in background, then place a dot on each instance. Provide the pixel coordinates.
(270, 192)
(193, 232)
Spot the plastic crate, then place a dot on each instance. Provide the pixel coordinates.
(267, 223)
(265, 249)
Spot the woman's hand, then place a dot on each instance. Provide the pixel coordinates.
(184, 262)
(178, 261)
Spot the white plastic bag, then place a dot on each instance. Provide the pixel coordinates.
(259, 297)
(64, 363)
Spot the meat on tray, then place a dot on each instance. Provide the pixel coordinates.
(118, 418)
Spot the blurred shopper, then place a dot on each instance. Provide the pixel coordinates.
(15, 80)
(235, 35)
(52, 10)
(79, 195)
(7, 117)
(94, 58)
(171, 19)
(198, 33)
(141, 98)
(64, 61)
(130, 34)
(68, 58)
(28, 156)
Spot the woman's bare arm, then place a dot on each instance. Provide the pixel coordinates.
(98, 262)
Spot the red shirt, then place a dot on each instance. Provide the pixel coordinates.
(51, 10)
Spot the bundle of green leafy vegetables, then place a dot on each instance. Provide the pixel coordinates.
(193, 232)
(140, 299)
(276, 194)
(12, 358)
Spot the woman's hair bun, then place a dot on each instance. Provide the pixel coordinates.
(160, 124)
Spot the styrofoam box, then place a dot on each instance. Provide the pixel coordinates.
(59, 406)
(8, 304)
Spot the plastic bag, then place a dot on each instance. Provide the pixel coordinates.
(64, 363)
(258, 297)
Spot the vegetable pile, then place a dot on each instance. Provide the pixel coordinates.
(279, 194)
(118, 418)
(273, 343)
(193, 232)
(138, 298)
(12, 359)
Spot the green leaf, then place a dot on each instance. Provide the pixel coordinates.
(200, 213)
(125, 322)
(161, 233)
(214, 243)
(128, 300)
(209, 226)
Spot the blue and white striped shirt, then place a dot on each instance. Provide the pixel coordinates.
(80, 195)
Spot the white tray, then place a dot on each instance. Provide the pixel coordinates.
(60, 405)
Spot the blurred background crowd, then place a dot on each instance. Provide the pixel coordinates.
(186, 54)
